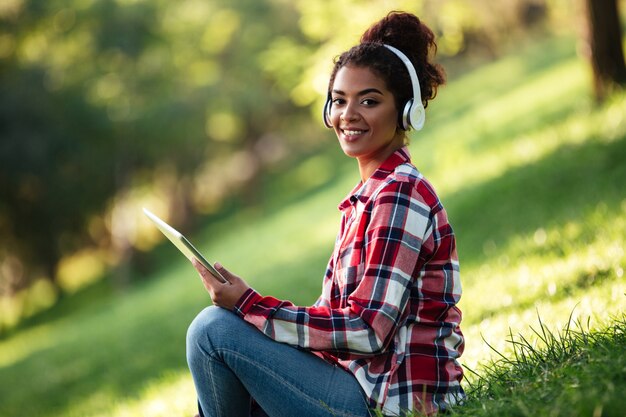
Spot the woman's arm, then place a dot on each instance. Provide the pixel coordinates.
(398, 220)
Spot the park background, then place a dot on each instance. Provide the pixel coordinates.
(209, 113)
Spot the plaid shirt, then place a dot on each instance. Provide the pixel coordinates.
(387, 312)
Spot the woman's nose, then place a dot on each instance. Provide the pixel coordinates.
(349, 113)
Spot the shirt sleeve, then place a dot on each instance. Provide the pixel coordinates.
(393, 226)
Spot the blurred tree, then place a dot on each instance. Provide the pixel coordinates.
(51, 180)
(98, 99)
(604, 40)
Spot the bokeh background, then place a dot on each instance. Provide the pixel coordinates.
(208, 112)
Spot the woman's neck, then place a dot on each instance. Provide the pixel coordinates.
(369, 164)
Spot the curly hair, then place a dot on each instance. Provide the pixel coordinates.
(408, 34)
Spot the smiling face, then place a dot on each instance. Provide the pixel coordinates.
(364, 117)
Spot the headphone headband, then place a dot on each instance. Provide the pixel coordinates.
(413, 115)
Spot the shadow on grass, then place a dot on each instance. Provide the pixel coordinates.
(558, 189)
(562, 188)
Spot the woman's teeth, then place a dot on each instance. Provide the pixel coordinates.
(353, 132)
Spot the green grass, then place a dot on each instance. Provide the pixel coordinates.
(576, 372)
(532, 175)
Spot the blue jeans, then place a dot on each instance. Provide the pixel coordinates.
(234, 366)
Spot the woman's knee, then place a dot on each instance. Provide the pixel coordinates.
(198, 342)
(209, 324)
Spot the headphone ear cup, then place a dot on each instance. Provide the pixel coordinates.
(417, 116)
(326, 114)
(413, 116)
(405, 117)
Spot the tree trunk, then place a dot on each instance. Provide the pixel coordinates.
(604, 38)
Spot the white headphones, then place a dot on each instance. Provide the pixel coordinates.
(413, 115)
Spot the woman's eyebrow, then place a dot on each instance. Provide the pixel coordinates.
(360, 93)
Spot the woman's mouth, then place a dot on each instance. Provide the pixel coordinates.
(352, 134)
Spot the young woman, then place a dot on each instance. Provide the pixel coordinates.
(384, 334)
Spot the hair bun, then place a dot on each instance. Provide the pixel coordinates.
(407, 33)
(404, 31)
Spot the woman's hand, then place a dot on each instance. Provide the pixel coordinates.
(224, 295)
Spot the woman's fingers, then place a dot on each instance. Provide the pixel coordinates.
(226, 294)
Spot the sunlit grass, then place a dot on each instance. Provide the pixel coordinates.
(171, 394)
(472, 142)
(573, 371)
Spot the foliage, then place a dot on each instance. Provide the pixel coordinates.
(96, 96)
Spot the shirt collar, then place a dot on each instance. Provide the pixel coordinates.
(363, 191)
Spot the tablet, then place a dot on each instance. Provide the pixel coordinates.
(183, 244)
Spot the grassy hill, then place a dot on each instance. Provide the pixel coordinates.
(532, 174)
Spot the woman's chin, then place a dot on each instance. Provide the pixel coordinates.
(350, 151)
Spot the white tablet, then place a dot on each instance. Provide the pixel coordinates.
(183, 244)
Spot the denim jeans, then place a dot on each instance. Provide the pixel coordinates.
(234, 365)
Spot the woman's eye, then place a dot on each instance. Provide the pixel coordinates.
(369, 102)
(338, 101)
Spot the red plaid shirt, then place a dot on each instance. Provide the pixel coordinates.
(387, 312)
